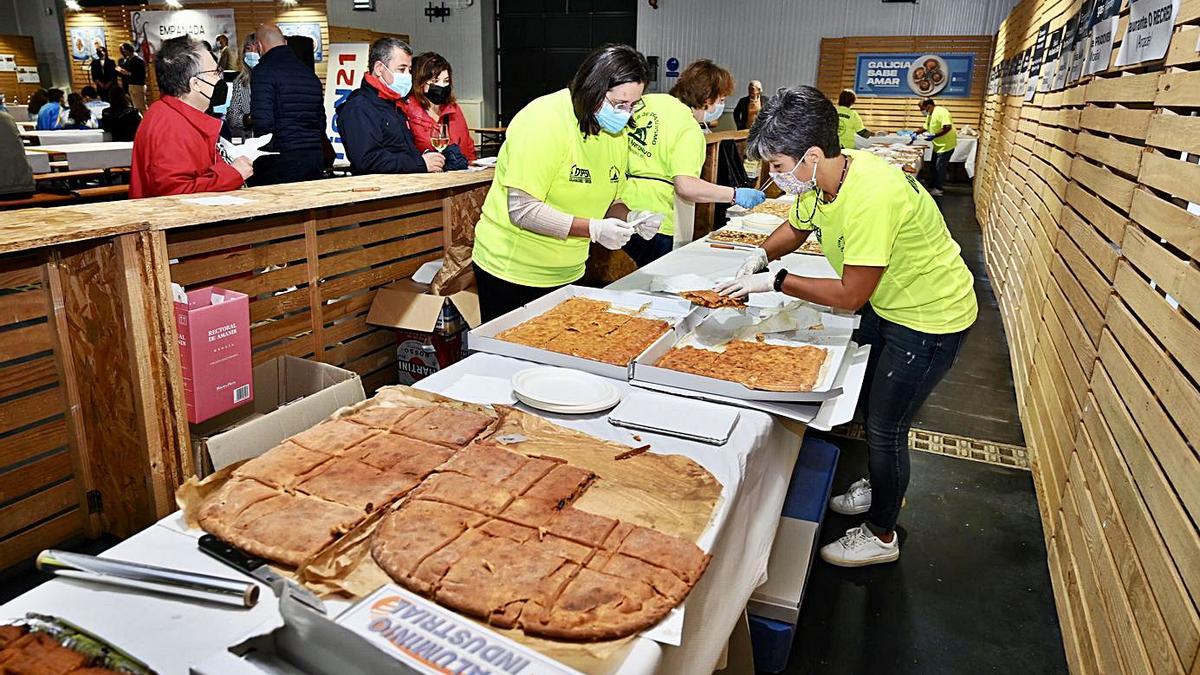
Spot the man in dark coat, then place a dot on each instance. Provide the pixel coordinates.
(372, 123)
(288, 102)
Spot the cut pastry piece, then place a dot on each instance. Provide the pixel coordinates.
(631, 339)
(562, 484)
(444, 426)
(428, 575)
(666, 583)
(598, 324)
(597, 606)
(508, 530)
(712, 299)
(683, 558)
(35, 653)
(333, 437)
(225, 504)
(485, 461)
(291, 528)
(564, 548)
(282, 465)
(354, 484)
(529, 511)
(463, 491)
(416, 530)
(382, 417)
(609, 548)
(534, 333)
(576, 307)
(530, 472)
(401, 453)
(496, 578)
(586, 528)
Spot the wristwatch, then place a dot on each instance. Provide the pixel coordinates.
(779, 277)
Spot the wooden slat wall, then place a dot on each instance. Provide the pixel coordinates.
(348, 34)
(312, 281)
(1083, 197)
(21, 47)
(246, 15)
(839, 61)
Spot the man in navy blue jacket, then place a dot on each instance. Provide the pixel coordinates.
(374, 129)
(287, 101)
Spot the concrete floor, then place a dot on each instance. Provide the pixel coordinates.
(971, 592)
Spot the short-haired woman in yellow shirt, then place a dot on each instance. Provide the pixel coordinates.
(897, 263)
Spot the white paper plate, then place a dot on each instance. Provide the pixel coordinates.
(564, 390)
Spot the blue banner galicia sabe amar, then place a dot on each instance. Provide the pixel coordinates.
(945, 75)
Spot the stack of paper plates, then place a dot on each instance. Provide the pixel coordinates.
(564, 391)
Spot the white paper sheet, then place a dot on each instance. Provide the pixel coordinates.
(251, 148)
(481, 389)
(223, 200)
(425, 273)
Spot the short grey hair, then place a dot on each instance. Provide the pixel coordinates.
(793, 121)
(381, 50)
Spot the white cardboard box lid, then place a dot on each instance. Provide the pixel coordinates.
(779, 597)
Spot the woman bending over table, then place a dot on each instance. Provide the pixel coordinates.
(883, 234)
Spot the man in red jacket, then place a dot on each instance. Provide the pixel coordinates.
(175, 150)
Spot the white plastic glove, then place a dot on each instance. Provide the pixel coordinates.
(611, 233)
(763, 282)
(755, 262)
(650, 222)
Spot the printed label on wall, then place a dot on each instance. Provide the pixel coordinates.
(904, 75)
(347, 66)
(1151, 23)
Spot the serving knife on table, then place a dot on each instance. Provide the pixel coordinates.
(259, 569)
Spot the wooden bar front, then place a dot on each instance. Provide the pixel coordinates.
(93, 431)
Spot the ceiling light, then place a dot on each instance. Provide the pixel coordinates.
(174, 4)
(73, 5)
(289, 3)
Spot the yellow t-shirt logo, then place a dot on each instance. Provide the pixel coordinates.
(580, 174)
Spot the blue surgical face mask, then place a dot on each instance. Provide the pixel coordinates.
(711, 116)
(401, 82)
(251, 59)
(611, 119)
(790, 184)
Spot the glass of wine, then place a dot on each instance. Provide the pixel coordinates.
(441, 139)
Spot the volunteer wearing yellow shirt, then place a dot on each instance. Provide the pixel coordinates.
(885, 236)
(666, 153)
(558, 175)
(850, 124)
(939, 128)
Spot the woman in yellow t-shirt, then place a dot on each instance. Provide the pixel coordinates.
(666, 153)
(897, 262)
(558, 175)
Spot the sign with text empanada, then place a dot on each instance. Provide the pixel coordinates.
(150, 28)
(433, 640)
(907, 75)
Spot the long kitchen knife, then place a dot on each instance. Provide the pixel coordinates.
(259, 569)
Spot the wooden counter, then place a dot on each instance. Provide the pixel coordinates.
(93, 435)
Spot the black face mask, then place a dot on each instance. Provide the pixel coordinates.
(437, 94)
(219, 93)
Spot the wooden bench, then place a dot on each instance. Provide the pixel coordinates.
(82, 173)
(38, 199)
(103, 192)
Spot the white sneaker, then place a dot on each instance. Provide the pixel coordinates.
(936, 192)
(856, 500)
(860, 547)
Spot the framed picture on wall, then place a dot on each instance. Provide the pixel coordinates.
(85, 41)
(308, 30)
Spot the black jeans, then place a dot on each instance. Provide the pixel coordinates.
(288, 167)
(498, 297)
(939, 170)
(903, 368)
(646, 251)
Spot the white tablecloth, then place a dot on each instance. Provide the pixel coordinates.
(87, 156)
(39, 162)
(61, 136)
(964, 150)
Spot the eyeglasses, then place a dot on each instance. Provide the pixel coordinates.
(623, 107)
(205, 72)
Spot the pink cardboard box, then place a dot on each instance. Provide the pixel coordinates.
(214, 346)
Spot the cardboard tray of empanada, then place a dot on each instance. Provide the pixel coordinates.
(832, 334)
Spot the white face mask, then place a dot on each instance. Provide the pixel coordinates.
(713, 115)
(790, 184)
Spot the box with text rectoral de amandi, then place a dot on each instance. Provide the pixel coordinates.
(213, 326)
(431, 329)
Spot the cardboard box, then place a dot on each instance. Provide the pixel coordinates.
(791, 560)
(673, 310)
(430, 328)
(214, 348)
(293, 395)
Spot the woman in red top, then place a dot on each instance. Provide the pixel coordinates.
(431, 108)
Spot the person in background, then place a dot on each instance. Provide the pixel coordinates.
(288, 102)
(558, 176)
(16, 178)
(239, 100)
(75, 115)
(433, 113)
(226, 57)
(93, 101)
(939, 128)
(747, 108)
(120, 119)
(131, 70)
(103, 70)
(175, 150)
(48, 114)
(36, 100)
(850, 124)
(667, 151)
(896, 262)
(375, 130)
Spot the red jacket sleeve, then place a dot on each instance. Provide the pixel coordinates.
(461, 135)
(176, 175)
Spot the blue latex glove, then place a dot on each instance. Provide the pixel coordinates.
(748, 198)
(928, 137)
